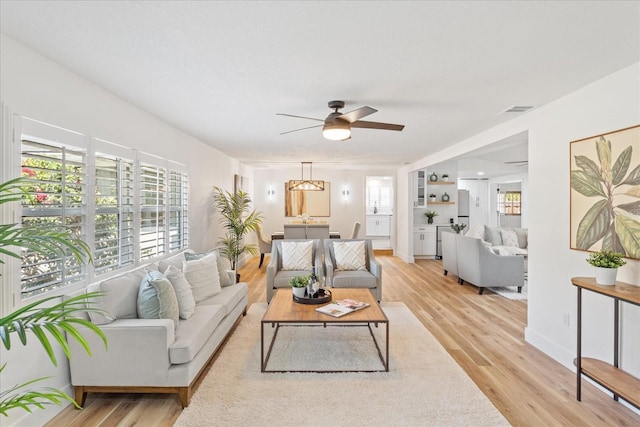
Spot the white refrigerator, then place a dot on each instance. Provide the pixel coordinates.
(463, 207)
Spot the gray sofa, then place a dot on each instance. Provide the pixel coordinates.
(152, 355)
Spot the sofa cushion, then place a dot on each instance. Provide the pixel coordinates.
(229, 297)
(184, 294)
(175, 260)
(354, 279)
(203, 277)
(509, 237)
(523, 237)
(156, 298)
(476, 231)
(297, 255)
(492, 235)
(120, 299)
(223, 264)
(350, 255)
(193, 333)
(282, 278)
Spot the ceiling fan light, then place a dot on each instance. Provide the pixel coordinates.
(336, 131)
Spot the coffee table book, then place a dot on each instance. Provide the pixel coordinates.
(341, 307)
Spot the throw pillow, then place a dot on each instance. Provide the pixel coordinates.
(297, 255)
(184, 294)
(509, 237)
(223, 264)
(202, 275)
(523, 237)
(350, 255)
(156, 298)
(492, 235)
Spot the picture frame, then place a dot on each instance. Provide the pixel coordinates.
(312, 203)
(605, 192)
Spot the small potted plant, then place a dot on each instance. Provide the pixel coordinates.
(432, 197)
(606, 263)
(445, 177)
(458, 227)
(299, 285)
(430, 215)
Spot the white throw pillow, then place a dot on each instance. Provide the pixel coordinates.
(350, 255)
(509, 237)
(202, 275)
(186, 303)
(297, 255)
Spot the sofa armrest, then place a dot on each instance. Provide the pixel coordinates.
(328, 271)
(137, 353)
(501, 270)
(272, 270)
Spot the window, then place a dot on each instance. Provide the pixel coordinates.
(129, 207)
(57, 191)
(379, 192)
(509, 203)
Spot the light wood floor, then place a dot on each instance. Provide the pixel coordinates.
(483, 333)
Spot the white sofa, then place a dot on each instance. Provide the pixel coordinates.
(152, 355)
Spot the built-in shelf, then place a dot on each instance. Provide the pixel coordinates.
(440, 183)
(608, 375)
(440, 203)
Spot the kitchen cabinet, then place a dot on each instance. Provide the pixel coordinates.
(378, 225)
(424, 240)
(419, 189)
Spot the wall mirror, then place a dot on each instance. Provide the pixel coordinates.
(312, 203)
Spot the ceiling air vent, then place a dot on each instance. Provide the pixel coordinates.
(518, 109)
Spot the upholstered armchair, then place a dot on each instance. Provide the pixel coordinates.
(348, 266)
(264, 244)
(288, 263)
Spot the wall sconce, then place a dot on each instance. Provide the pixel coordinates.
(271, 193)
(345, 194)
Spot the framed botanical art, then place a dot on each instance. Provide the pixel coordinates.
(605, 192)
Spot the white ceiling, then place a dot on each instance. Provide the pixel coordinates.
(221, 71)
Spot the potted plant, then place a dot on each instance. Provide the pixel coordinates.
(238, 220)
(34, 319)
(432, 197)
(299, 285)
(606, 264)
(445, 177)
(430, 215)
(458, 227)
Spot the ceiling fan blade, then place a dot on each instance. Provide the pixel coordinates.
(296, 130)
(376, 125)
(300, 117)
(355, 115)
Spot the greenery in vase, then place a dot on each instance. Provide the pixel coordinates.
(33, 319)
(458, 227)
(432, 196)
(606, 259)
(613, 222)
(238, 220)
(299, 281)
(430, 214)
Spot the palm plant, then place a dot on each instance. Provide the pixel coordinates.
(39, 319)
(238, 220)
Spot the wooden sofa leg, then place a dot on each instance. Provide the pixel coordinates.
(461, 282)
(261, 259)
(481, 291)
(445, 272)
(80, 396)
(185, 396)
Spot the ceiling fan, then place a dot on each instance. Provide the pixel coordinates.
(337, 126)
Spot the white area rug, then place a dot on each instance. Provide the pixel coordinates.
(425, 386)
(511, 293)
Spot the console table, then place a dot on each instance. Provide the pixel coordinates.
(620, 383)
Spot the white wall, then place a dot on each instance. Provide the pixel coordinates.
(609, 104)
(33, 86)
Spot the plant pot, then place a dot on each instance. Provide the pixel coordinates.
(432, 199)
(429, 220)
(445, 178)
(299, 292)
(606, 276)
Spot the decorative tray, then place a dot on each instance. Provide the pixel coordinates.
(324, 295)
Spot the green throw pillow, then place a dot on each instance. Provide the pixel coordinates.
(157, 298)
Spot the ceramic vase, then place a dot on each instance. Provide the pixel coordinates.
(606, 276)
(299, 292)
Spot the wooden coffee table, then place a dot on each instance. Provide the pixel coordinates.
(283, 310)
